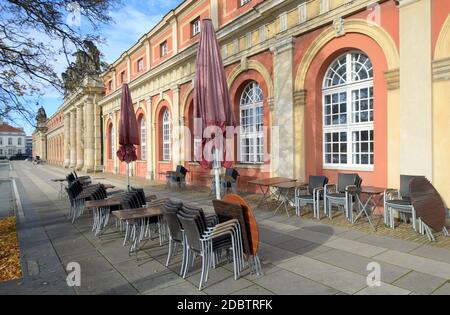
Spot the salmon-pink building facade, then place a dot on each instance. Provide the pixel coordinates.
(340, 85)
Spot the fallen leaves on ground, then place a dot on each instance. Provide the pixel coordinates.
(9, 251)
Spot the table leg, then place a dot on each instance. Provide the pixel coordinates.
(364, 210)
(264, 197)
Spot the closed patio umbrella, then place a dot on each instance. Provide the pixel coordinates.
(212, 106)
(128, 131)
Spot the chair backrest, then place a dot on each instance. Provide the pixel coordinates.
(345, 180)
(232, 172)
(317, 182)
(191, 231)
(70, 178)
(197, 212)
(227, 211)
(405, 181)
(173, 223)
(140, 194)
(182, 170)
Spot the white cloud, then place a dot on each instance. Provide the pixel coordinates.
(130, 25)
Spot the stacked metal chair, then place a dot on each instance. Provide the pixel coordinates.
(201, 236)
(400, 201)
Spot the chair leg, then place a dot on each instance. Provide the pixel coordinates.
(414, 223)
(169, 255)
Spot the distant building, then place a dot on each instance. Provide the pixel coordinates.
(12, 141)
(29, 146)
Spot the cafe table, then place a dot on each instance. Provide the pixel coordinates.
(286, 193)
(266, 185)
(367, 208)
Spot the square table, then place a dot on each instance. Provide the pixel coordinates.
(265, 186)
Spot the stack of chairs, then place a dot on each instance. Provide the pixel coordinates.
(78, 195)
(202, 236)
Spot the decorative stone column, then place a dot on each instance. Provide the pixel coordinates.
(284, 106)
(80, 138)
(67, 140)
(90, 137)
(73, 139)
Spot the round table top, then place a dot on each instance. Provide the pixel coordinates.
(370, 190)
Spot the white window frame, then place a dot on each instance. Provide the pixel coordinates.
(143, 139)
(249, 127)
(351, 126)
(140, 65)
(195, 27)
(166, 137)
(164, 48)
(10, 141)
(123, 77)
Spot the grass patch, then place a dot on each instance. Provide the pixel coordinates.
(9, 251)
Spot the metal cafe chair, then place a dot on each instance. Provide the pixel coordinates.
(342, 194)
(314, 195)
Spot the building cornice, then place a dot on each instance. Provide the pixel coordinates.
(404, 3)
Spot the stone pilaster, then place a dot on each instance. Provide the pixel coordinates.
(67, 140)
(416, 127)
(299, 135)
(90, 137)
(80, 137)
(98, 163)
(150, 142)
(176, 134)
(284, 107)
(73, 139)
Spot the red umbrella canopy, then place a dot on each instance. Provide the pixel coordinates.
(212, 106)
(128, 131)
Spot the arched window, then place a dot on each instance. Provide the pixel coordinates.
(143, 139)
(252, 124)
(166, 134)
(348, 134)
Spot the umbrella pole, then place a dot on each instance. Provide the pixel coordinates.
(217, 173)
(128, 177)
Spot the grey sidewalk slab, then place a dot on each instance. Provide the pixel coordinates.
(444, 290)
(384, 289)
(288, 283)
(358, 264)
(334, 277)
(420, 264)
(420, 283)
(389, 243)
(434, 253)
(355, 247)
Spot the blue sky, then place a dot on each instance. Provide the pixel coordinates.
(133, 19)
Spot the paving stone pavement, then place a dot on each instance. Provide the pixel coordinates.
(299, 256)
